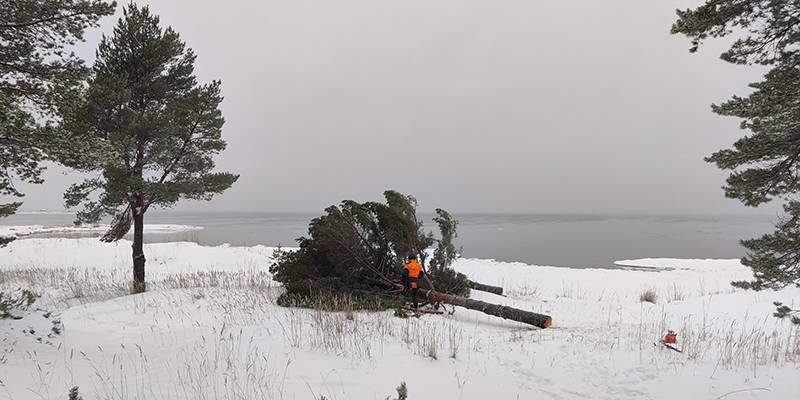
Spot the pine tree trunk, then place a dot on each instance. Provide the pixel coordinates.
(531, 318)
(138, 251)
(485, 288)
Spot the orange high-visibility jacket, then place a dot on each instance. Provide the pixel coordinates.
(413, 269)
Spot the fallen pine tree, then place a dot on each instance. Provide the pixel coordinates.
(358, 249)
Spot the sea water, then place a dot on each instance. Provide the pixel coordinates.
(597, 240)
(565, 240)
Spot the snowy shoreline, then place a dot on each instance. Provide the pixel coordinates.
(209, 326)
(69, 231)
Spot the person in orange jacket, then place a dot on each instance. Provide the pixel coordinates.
(412, 273)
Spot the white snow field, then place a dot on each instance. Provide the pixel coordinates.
(209, 328)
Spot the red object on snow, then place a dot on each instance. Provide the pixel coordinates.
(670, 338)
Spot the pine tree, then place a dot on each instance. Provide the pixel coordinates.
(764, 165)
(37, 79)
(358, 249)
(144, 103)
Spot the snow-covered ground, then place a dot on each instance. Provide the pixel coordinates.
(209, 328)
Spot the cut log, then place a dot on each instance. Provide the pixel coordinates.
(485, 288)
(423, 310)
(531, 318)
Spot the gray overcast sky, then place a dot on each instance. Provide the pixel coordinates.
(574, 106)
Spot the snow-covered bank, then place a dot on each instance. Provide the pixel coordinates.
(209, 328)
(82, 230)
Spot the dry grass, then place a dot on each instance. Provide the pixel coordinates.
(361, 335)
(675, 293)
(334, 326)
(340, 327)
(524, 290)
(573, 291)
(648, 295)
(63, 287)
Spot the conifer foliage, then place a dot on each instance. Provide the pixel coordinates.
(764, 165)
(38, 78)
(162, 127)
(358, 248)
(445, 253)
